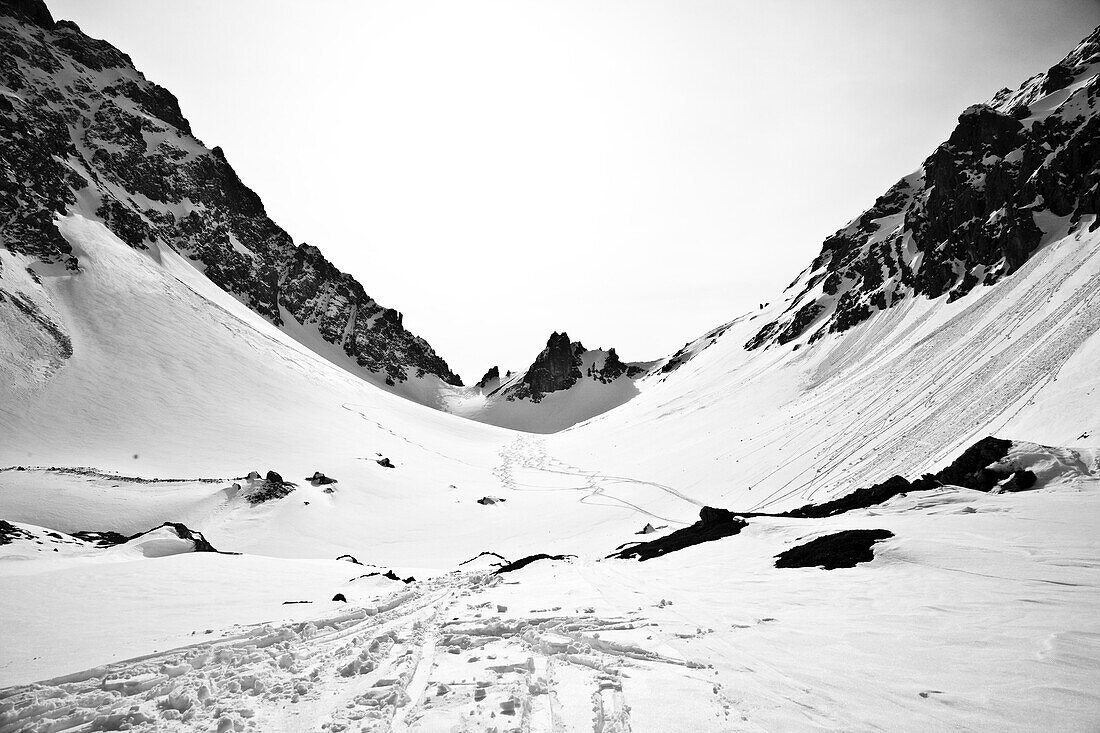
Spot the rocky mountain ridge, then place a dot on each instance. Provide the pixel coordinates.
(559, 366)
(1025, 163)
(82, 130)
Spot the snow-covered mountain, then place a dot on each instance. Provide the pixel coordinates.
(86, 133)
(1013, 170)
(403, 568)
(564, 385)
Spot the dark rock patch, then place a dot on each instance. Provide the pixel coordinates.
(186, 533)
(713, 524)
(970, 470)
(271, 488)
(349, 558)
(389, 575)
(111, 539)
(9, 533)
(858, 499)
(340, 597)
(101, 539)
(650, 529)
(320, 479)
(840, 550)
(491, 378)
(525, 561)
(1019, 481)
(490, 500)
(385, 463)
(503, 560)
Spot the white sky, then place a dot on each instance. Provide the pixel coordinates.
(633, 172)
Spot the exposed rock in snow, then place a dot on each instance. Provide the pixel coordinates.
(713, 524)
(271, 488)
(525, 561)
(839, 550)
(9, 532)
(490, 500)
(484, 560)
(320, 479)
(490, 380)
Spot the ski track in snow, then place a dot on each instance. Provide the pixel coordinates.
(939, 399)
(424, 657)
(528, 453)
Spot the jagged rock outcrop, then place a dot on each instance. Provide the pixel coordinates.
(972, 214)
(76, 116)
(491, 379)
(561, 365)
(557, 367)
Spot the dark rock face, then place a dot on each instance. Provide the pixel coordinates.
(385, 463)
(713, 524)
(490, 500)
(840, 550)
(9, 533)
(271, 488)
(497, 555)
(490, 379)
(557, 367)
(1020, 481)
(104, 538)
(967, 217)
(525, 561)
(858, 499)
(110, 539)
(185, 533)
(320, 479)
(84, 119)
(349, 558)
(970, 470)
(34, 11)
(340, 597)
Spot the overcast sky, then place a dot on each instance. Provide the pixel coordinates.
(631, 172)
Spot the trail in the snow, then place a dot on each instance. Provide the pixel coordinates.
(528, 453)
(429, 657)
